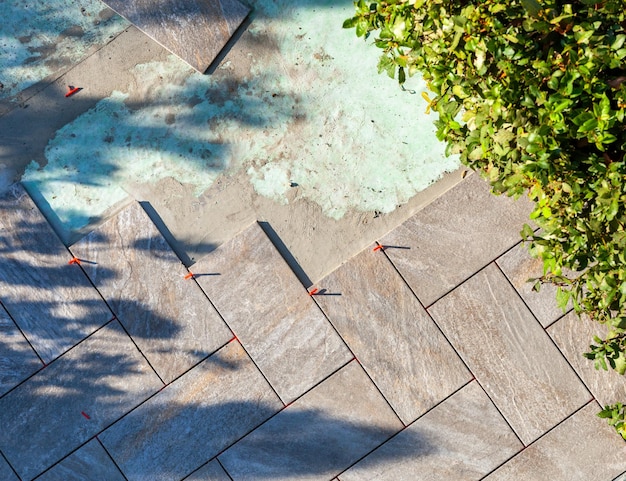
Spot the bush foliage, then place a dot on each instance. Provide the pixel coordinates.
(532, 94)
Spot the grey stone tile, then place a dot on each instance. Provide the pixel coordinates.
(6, 473)
(278, 323)
(573, 336)
(582, 448)
(103, 377)
(192, 419)
(519, 266)
(210, 472)
(391, 334)
(168, 316)
(17, 358)
(463, 439)
(621, 477)
(510, 354)
(319, 435)
(195, 30)
(90, 462)
(51, 301)
(455, 236)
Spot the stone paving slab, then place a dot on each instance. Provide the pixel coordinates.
(391, 334)
(194, 30)
(462, 439)
(73, 399)
(136, 271)
(278, 323)
(519, 266)
(17, 358)
(210, 472)
(455, 236)
(510, 354)
(573, 335)
(51, 301)
(90, 461)
(6, 473)
(582, 448)
(317, 436)
(193, 419)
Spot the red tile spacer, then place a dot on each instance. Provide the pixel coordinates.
(85, 415)
(313, 291)
(235, 338)
(378, 248)
(74, 260)
(189, 276)
(71, 90)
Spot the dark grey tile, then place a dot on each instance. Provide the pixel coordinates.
(17, 358)
(454, 237)
(391, 334)
(573, 336)
(195, 30)
(51, 301)
(168, 316)
(278, 323)
(89, 462)
(510, 354)
(72, 399)
(582, 448)
(210, 472)
(193, 419)
(462, 439)
(317, 436)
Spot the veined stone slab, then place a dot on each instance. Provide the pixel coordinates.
(510, 354)
(582, 448)
(462, 439)
(573, 335)
(51, 301)
(210, 472)
(455, 236)
(73, 399)
(391, 334)
(6, 473)
(90, 461)
(192, 419)
(194, 30)
(135, 270)
(319, 435)
(17, 358)
(278, 323)
(519, 266)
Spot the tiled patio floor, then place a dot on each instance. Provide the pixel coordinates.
(427, 359)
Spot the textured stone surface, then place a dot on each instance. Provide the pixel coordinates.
(104, 377)
(510, 354)
(89, 462)
(582, 448)
(455, 236)
(210, 472)
(275, 319)
(319, 435)
(192, 419)
(519, 266)
(195, 30)
(462, 439)
(168, 316)
(573, 335)
(6, 473)
(391, 334)
(17, 358)
(51, 301)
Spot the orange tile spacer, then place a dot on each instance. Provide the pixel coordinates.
(378, 248)
(313, 291)
(74, 260)
(85, 415)
(71, 90)
(189, 276)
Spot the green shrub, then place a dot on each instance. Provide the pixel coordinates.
(532, 95)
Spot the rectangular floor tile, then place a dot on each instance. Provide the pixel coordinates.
(573, 336)
(195, 30)
(17, 358)
(278, 323)
(89, 462)
(454, 237)
(510, 354)
(72, 399)
(192, 419)
(317, 436)
(582, 448)
(391, 334)
(210, 472)
(138, 274)
(51, 301)
(462, 439)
